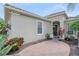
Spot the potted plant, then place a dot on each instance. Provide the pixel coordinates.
(48, 36)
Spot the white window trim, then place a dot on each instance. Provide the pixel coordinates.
(37, 27)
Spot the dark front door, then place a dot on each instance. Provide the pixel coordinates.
(55, 30)
(56, 26)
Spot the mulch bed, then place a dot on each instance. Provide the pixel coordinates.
(74, 50)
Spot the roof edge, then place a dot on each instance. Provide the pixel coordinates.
(24, 12)
(56, 14)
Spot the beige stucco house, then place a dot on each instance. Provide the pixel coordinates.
(33, 27)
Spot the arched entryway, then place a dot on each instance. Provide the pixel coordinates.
(56, 27)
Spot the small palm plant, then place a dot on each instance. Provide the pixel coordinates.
(5, 50)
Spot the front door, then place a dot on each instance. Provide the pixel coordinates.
(56, 26)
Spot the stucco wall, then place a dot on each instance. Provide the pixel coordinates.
(24, 26)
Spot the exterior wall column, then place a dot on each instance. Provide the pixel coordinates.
(51, 34)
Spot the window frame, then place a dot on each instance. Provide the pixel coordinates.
(37, 28)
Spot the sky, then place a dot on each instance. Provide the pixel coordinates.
(43, 9)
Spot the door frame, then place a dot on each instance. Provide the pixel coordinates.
(56, 27)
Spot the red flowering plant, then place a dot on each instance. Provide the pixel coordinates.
(17, 40)
(61, 30)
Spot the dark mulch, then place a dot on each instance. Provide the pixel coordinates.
(74, 50)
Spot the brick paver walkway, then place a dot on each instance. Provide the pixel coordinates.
(47, 48)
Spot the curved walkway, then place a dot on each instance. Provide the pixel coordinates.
(47, 48)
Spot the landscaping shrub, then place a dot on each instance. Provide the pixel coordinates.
(12, 41)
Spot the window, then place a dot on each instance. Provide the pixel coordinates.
(39, 28)
(70, 30)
